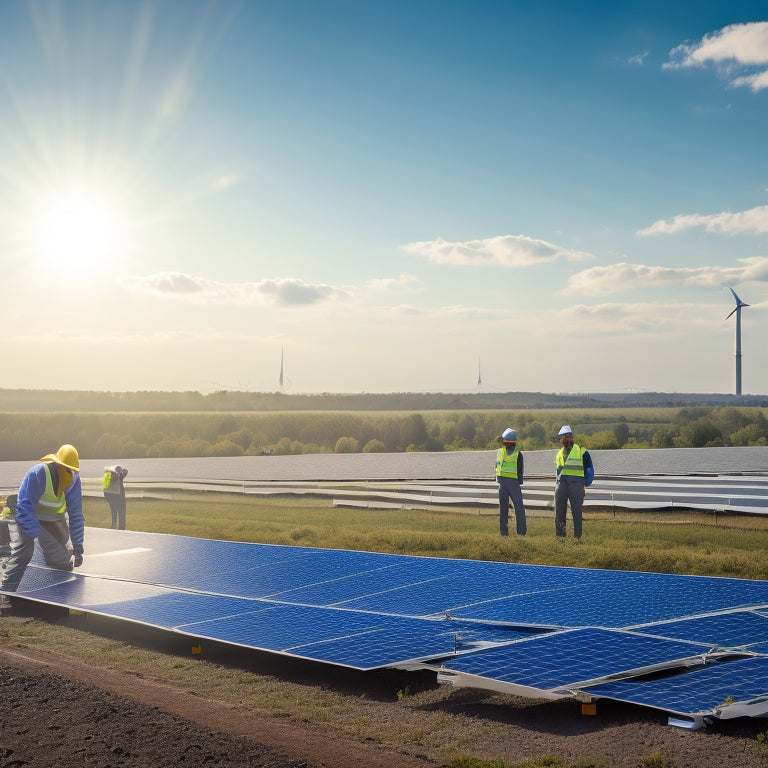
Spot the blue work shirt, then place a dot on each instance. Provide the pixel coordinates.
(32, 488)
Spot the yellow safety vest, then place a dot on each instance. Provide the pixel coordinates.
(50, 506)
(110, 483)
(506, 463)
(573, 466)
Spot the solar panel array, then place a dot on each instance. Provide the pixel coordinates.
(685, 644)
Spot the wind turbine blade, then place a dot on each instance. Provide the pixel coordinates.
(731, 312)
(739, 302)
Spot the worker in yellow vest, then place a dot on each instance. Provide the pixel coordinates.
(114, 492)
(575, 473)
(49, 511)
(7, 513)
(509, 476)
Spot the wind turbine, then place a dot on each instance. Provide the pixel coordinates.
(282, 357)
(737, 310)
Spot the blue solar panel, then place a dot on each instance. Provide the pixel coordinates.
(621, 599)
(727, 630)
(572, 658)
(450, 586)
(349, 638)
(713, 689)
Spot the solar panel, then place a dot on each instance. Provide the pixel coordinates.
(573, 658)
(621, 599)
(728, 630)
(721, 688)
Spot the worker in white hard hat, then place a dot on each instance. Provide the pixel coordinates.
(575, 473)
(114, 492)
(49, 510)
(509, 475)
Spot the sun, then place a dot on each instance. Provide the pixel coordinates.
(77, 229)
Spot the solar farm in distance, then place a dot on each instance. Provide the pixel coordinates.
(694, 647)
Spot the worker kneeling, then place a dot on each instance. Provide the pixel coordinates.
(49, 509)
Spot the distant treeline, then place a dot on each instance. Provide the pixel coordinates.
(39, 400)
(113, 436)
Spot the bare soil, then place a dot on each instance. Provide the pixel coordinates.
(57, 709)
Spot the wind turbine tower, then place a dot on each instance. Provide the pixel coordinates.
(737, 310)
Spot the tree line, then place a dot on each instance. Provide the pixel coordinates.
(115, 436)
(74, 401)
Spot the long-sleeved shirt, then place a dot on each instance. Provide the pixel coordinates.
(520, 467)
(32, 488)
(589, 469)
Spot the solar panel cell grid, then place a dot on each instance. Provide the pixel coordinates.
(726, 630)
(699, 691)
(571, 658)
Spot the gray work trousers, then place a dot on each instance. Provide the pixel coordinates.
(509, 488)
(53, 541)
(568, 489)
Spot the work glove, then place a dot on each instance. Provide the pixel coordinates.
(78, 557)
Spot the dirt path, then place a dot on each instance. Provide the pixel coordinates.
(60, 711)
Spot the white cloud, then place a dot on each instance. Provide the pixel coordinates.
(754, 220)
(638, 59)
(282, 292)
(733, 49)
(402, 284)
(614, 278)
(756, 82)
(638, 318)
(503, 251)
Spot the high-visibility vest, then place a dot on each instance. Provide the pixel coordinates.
(111, 483)
(506, 463)
(49, 505)
(573, 466)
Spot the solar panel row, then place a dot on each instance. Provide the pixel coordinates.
(525, 628)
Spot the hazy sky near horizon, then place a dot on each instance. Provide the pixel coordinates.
(394, 195)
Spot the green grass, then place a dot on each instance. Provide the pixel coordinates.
(682, 542)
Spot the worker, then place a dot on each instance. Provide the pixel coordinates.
(509, 476)
(575, 473)
(7, 511)
(114, 493)
(49, 510)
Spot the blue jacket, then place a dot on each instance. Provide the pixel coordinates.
(32, 488)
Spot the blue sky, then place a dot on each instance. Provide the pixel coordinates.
(391, 195)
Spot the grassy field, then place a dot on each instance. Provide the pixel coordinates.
(681, 542)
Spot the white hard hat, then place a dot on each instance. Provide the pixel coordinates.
(508, 435)
(565, 430)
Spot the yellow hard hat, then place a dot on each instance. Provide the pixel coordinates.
(66, 456)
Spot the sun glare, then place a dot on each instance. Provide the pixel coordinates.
(77, 230)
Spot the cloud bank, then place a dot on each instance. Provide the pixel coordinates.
(740, 51)
(754, 221)
(501, 251)
(280, 292)
(614, 278)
